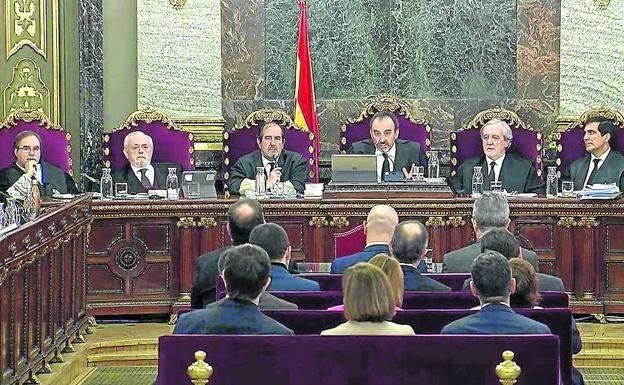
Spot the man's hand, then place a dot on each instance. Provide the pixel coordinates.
(31, 167)
(274, 177)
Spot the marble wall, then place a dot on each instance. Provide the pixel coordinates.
(179, 57)
(450, 59)
(592, 54)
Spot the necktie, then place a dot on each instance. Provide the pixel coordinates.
(144, 179)
(385, 167)
(271, 167)
(492, 173)
(593, 173)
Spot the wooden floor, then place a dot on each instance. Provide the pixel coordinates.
(127, 353)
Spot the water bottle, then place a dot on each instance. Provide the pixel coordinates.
(552, 183)
(477, 182)
(106, 184)
(260, 181)
(12, 211)
(434, 165)
(172, 184)
(32, 203)
(4, 220)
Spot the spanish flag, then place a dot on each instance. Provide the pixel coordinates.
(305, 106)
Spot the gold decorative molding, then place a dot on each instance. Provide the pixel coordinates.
(177, 4)
(26, 90)
(186, 222)
(435, 222)
(588, 222)
(208, 131)
(318, 222)
(455, 221)
(25, 24)
(338, 222)
(147, 115)
(207, 222)
(566, 222)
(199, 371)
(499, 113)
(508, 371)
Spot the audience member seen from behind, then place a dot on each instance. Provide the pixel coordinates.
(392, 269)
(369, 304)
(492, 283)
(526, 285)
(246, 275)
(273, 239)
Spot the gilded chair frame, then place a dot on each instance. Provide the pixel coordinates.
(508, 116)
(148, 116)
(260, 117)
(385, 102)
(30, 115)
(598, 112)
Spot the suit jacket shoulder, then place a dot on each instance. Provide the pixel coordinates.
(365, 146)
(414, 281)
(282, 280)
(340, 264)
(547, 282)
(460, 260)
(496, 319)
(204, 282)
(270, 302)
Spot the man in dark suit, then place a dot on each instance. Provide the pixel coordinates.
(514, 172)
(492, 284)
(504, 242)
(246, 275)
(243, 217)
(488, 212)
(393, 154)
(140, 174)
(279, 165)
(273, 239)
(379, 227)
(409, 246)
(601, 164)
(17, 179)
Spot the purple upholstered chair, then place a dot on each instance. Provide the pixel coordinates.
(241, 140)
(171, 144)
(350, 241)
(56, 148)
(569, 142)
(466, 143)
(415, 130)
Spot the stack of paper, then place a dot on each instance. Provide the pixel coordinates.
(600, 191)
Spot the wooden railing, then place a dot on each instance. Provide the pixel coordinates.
(42, 291)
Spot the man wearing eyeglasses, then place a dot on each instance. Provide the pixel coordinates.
(393, 155)
(514, 172)
(280, 165)
(16, 180)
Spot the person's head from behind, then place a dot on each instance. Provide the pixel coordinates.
(27, 148)
(384, 130)
(246, 270)
(526, 284)
(271, 140)
(367, 294)
(409, 242)
(138, 149)
(273, 239)
(489, 211)
(243, 217)
(491, 277)
(380, 224)
(501, 240)
(391, 267)
(600, 135)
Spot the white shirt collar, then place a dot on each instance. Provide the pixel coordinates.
(391, 156)
(265, 161)
(601, 157)
(149, 173)
(498, 165)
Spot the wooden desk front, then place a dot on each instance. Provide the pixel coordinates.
(141, 253)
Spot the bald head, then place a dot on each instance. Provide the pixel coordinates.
(243, 217)
(409, 242)
(380, 224)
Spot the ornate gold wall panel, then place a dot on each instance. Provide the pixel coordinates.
(25, 24)
(26, 89)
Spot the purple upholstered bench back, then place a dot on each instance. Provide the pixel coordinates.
(379, 360)
(333, 282)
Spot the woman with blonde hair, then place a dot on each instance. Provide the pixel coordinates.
(393, 270)
(369, 304)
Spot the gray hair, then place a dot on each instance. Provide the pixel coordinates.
(507, 134)
(135, 133)
(490, 211)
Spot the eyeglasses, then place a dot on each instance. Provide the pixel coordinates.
(28, 149)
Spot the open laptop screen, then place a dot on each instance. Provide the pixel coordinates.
(354, 168)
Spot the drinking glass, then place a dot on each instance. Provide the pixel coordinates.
(567, 189)
(496, 187)
(121, 190)
(193, 190)
(419, 173)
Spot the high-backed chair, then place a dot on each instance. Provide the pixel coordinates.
(466, 143)
(349, 242)
(55, 149)
(569, 141)
(171, 144)
(415, 130)
(241, 140)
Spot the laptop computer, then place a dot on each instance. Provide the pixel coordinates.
(354, 168)
(206, 181)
